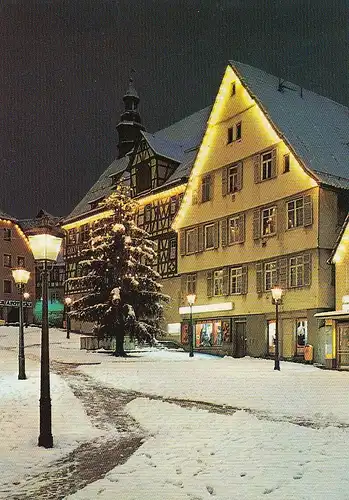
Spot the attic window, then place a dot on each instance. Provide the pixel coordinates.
(230, 135)
(286, 163)
(233, 88)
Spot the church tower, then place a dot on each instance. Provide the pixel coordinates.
(130, 125)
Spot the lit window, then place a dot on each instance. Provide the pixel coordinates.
(286, 163)
(209, 236)
(7, 260)
(191, 240)
(191, 284)
(20, 261)
(270, 275)
(266, 165)
(236, 280)
(296, 276)
(206, 188)
(7, 234)
(234, 230)
(218, 282)
(269, 221)
(295, 213)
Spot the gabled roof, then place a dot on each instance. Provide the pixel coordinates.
(27, 224)
(4, 215)
(178, 142)
(315, 127)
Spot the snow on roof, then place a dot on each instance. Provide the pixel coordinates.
(165, 148)
(316, 127)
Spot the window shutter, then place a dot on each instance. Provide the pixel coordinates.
(224, 232)
(196, 239)
(216, 234)
(273, 163)
(225, 280)
(244, 280)
(211, 183)
(256, 224)
(257, 168)
(308, 210)
(259, 277)
(182, 242)
(239, 177)
(307, 269)
(209, 279)
(282, 272)
(242, 228)
(200, 238)
(224, 181)
(184, 288)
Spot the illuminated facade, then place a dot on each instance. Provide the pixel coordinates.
(156, 168)
(265, 199)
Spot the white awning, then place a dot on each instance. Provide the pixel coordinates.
(333, 314)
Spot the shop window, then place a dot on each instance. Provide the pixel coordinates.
(301, 335)
(7, 260)
(271, 336)
(7, 286)
(208, 333)
(7, 234)
(184, 333)
(20, 261)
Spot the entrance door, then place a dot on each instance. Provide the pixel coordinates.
(240, 339)
(343, 345)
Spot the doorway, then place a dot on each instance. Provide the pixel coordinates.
(240, 339)
(343, 345)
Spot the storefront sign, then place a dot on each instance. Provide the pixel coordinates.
(14, 303)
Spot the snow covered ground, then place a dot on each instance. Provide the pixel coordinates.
(194, 454)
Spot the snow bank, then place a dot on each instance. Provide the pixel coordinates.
(193, 454)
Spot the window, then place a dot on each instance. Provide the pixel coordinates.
(173, 249)
(173, 205)
(7, 234)
(266, 165)
(7, 286)
(20, 261)
(218, 282)
(295, 213)
(268, 221)
(236, 280)
(297, 271)
(238, 131)
(85, 232)
(286, 163)
(72, 236)
(191, 283)
(54, 297)
(7, 260)
(230, 135)
(233, 88)
(209, 237)
(233, 179)
(191, 241)
(206, 188)
(270, 275)
(147, 213)
(235, 230)
(301, 335)
(271, 336)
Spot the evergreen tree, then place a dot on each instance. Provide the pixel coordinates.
(124, 294)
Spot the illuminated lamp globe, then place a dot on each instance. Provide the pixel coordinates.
(26, 295)
(191, 299)
(20, 275)
(277, 293)
(68, 301)
(45, 241)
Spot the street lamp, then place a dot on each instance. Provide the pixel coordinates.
(191, 300)
(68, 302)
(45, 242)
(21, 277)
(277, 294)
(26, 296)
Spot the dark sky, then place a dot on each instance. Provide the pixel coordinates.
(64, 67)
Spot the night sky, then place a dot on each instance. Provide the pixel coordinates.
(65, 66)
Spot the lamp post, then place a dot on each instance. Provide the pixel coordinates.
(277, 294)
(21, 277)
(45, 242)
(191, 300)
(68, 302)
(26, 296)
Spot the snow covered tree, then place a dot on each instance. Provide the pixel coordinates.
(124, 294)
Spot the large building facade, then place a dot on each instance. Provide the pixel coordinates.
(265, 200)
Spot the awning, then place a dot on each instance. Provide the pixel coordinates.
(333, 315)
